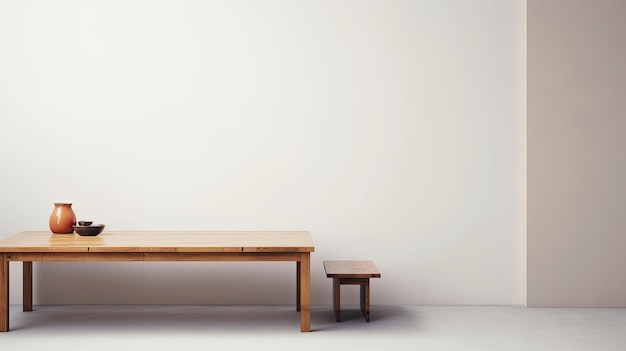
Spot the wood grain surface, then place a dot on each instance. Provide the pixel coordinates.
(161, 241)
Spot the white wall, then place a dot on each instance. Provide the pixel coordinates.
(391, 130)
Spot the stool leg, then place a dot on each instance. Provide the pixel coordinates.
(365, 300)
(336, 297)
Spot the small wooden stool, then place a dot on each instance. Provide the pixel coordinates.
(354, 273)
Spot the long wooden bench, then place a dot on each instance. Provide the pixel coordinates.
(352, 273)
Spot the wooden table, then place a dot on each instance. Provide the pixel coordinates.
(157, 246)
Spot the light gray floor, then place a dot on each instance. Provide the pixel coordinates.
(169, 327)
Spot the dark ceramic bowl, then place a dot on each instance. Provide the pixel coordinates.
(84, 223)
(90, 230)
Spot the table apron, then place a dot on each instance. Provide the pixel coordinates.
(155, 256)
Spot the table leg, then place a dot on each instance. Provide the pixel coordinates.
(27, 282)
(4, 292)
(298, 278)
(305, 292)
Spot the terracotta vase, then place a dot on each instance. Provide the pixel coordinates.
(62, 218)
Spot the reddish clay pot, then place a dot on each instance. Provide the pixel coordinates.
(62, 218)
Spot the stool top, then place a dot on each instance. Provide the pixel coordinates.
(351, 269)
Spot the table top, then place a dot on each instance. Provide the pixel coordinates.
(161, 241)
